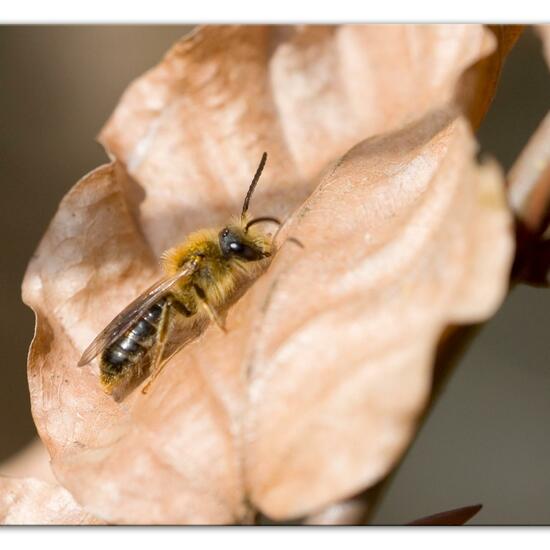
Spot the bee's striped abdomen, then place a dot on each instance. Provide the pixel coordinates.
(124, 353)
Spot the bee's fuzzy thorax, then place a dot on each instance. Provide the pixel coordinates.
(218, 275)
(204, 241)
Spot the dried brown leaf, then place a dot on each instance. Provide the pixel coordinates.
(314, 392)
(201, 119)
(529, 180)
(544, 33)
(418, 238)
(529, 197)
(479, 83)
(458, 516)
(28, 501)
(31, 461)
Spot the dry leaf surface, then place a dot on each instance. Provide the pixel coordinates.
(28, 501)
(314, 392)
(417, 238)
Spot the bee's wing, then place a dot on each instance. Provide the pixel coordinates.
(122, 322)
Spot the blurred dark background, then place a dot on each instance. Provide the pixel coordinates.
(487, 440)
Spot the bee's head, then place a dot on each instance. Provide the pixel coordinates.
(237, 243)
(238, 240)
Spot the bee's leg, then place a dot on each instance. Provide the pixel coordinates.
(162, 337)
(210, 311)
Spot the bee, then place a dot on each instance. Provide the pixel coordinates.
(201, 275)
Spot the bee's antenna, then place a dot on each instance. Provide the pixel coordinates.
(261, 220)
(253, 184)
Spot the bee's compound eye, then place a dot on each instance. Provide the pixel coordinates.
(232, 245)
